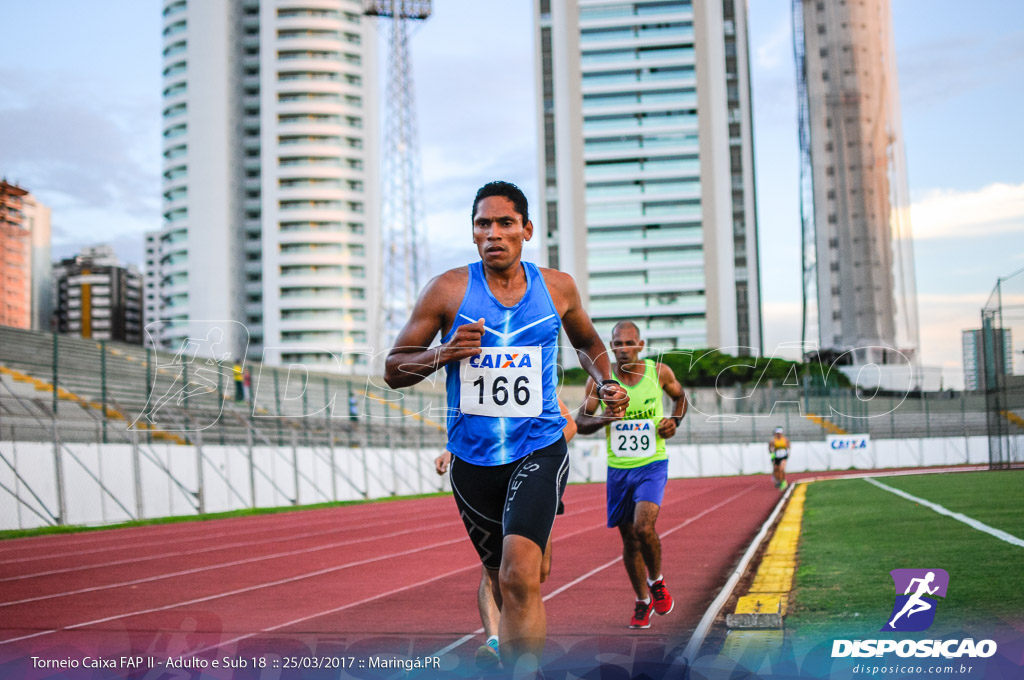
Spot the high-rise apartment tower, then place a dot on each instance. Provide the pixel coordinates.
(270, 173)
(26, 288)
(1001, 358)
(858, 250)
(646, 166)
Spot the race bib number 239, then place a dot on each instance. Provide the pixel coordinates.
(502, 382)
(633, 438)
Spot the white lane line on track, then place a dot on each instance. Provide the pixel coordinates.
(281, 582)
(335, 610)
(458, 643)
(960, 517)
(700, 632)
(711, 613)
(258, 587)
(371, 599)
(223, 565)
(238, 591)
(289, 580)
(466, 638)
(199, 551)
(336, 525)
(258, 558)
(289, 517)
(185, 529)
(677, 527)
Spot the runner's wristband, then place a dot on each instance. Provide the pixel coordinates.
(609, 381)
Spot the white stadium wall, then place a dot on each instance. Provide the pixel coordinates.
(165, 478)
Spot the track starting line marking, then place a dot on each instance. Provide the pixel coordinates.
(960, 517)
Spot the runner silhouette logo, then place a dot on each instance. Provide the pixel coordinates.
(916, 590)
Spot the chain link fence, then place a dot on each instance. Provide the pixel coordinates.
(995, 355)
(98, 432)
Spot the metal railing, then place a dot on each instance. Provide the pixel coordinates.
(150, 435)
(1002, 324)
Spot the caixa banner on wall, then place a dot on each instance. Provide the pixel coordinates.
(854, 443)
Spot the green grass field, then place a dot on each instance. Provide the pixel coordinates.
(855, 533)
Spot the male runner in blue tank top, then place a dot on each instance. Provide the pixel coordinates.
(500, 319)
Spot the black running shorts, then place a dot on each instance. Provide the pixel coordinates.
(518, 498)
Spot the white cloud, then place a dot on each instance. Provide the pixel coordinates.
(992, 210)
(777, 46)
(943, 318)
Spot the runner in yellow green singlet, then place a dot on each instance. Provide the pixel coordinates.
(637, 463)
(634, 441)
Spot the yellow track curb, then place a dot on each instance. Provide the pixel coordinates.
(765, 603)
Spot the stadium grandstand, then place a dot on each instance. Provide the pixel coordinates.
(147, 434)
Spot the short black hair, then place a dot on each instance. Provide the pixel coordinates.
(509, 191)
(626, 324)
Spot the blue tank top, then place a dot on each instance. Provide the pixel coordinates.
(503, 403)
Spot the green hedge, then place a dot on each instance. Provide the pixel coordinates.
(711, 368)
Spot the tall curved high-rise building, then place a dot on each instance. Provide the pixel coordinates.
(858, 244)
(269, 179)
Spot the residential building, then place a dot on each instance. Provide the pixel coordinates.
(974, 358)
(25, 286)
(98, 297)
(269, 177)
(151, 291)
(646, 166)
(37, 219)
(863, 277)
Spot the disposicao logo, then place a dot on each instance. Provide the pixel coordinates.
(914, 611)
(915, 605)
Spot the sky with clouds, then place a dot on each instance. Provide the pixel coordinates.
(80, 127)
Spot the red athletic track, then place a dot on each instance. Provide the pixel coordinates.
(397, 576)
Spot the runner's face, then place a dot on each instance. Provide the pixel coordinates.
(627, 345)
(499, 232)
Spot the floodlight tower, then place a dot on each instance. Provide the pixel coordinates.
(405, 256)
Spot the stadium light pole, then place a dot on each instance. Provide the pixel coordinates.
(405, 255)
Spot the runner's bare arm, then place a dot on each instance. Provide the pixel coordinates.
(411, 359)
(672, 387)
(583, 336)
(569, 431)
(587, 420)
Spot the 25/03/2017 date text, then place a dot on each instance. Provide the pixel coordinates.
(339, 662)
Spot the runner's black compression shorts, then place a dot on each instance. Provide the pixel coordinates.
(518, 498)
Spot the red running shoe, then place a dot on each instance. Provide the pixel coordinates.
(663, 602)
(641, 615)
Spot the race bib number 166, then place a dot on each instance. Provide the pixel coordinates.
(502, 382)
